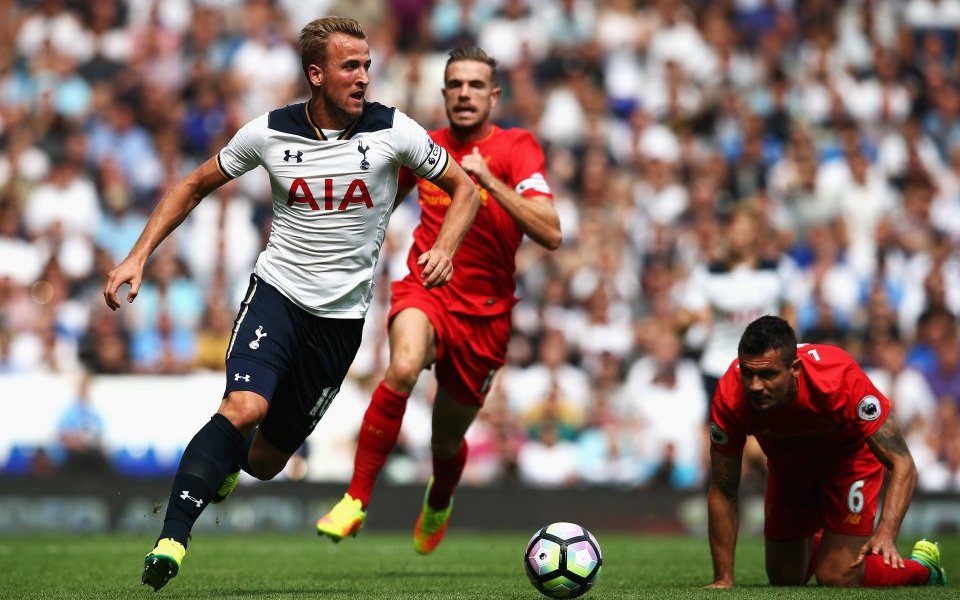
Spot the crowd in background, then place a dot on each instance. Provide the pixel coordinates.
(694, 149)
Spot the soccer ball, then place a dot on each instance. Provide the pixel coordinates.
(563, 560)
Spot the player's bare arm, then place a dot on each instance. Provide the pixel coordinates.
(536, 215)
(723, 505)
(172, 209)
(437, 262)
(402, 192)
(890, 449)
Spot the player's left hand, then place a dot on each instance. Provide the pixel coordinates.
(883, 545)
(437, 267)
(475, 165)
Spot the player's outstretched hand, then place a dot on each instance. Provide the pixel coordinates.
(883, 545)
(437, 268)
(129, 271)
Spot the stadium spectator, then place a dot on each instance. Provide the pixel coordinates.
(80, 433)
(214, 336)
(724, 293)
(115, 134)
(908, 390)
(664, 397)
(105, 347)
(608, 452)
(550, 376)
(547, 461)
(944, 375)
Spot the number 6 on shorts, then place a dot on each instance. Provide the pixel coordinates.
(855, 497)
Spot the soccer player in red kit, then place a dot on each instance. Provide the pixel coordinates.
(829, 435)
(463, 330)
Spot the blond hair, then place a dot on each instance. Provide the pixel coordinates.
(316, 34)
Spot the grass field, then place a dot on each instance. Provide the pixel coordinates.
(468, 565)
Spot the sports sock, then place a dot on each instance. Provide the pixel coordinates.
(446, 476)
(378, 435)
(877, 574)
(814, 553)
(241, 460)
(202, 469)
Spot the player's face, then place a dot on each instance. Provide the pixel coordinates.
(344, 77)
(768, 381)
(468, 94)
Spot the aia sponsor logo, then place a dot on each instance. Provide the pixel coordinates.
(356, 193)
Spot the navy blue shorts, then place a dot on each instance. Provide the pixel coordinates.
(297, 361)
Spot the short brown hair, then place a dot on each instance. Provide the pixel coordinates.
(316, 34)
(477, 54)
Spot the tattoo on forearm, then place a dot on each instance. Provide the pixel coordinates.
(888, 439)
(725, 472)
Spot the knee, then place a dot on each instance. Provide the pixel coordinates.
(402, 373)
(244, 409)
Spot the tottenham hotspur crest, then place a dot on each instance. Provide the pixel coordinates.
(260, 334)
(364, 164)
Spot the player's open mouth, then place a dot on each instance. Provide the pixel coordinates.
(358, 96)
(464, 110)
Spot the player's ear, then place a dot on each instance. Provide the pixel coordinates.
(314, 75)
(495, 97)
(795, 367)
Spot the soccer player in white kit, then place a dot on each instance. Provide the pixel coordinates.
(333, 164)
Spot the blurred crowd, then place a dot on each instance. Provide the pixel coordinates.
(702, 155)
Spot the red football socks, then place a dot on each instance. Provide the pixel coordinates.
(378, 436)
(446, 476)
(877, 574)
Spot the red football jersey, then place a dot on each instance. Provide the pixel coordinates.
(484, 267)
(836, 409)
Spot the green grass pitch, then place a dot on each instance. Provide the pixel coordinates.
(378, 565)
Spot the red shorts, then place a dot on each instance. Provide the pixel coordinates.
(469, 349)
(797, 505)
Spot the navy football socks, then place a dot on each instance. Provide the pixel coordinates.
(203, 467)
(241, 460)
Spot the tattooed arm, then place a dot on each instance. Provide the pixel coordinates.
(723, 505)
(888, 446)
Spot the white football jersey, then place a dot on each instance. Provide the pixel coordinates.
(736, 297)
(332, 199)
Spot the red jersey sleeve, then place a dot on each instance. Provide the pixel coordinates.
(406, 178)
(528, 167)
(853, 398)
(726, 434)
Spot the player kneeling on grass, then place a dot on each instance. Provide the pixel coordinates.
(828, 435)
